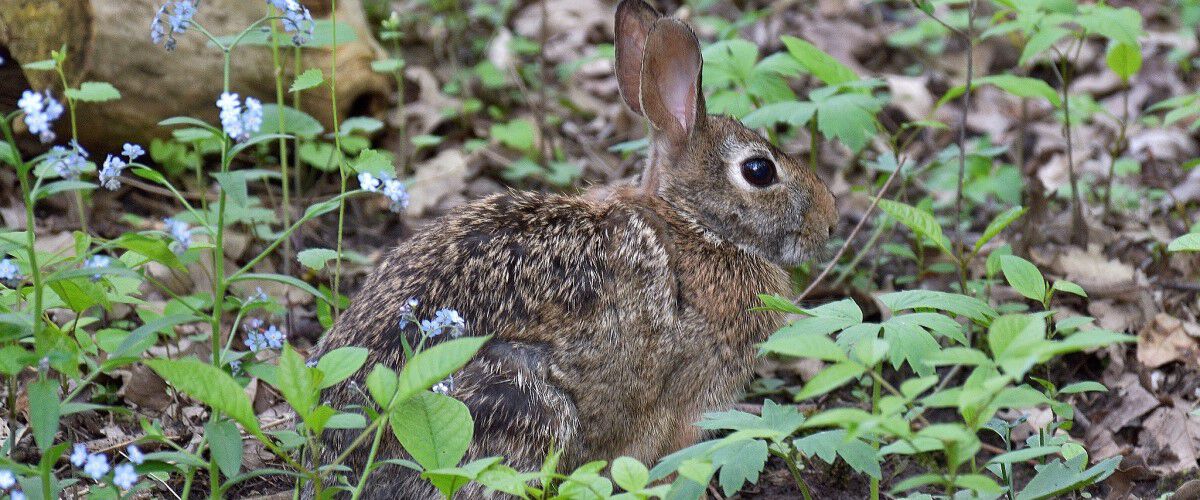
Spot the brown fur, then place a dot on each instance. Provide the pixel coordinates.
(617, 320)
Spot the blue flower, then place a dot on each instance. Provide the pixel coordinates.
(41, 109)
(180, 232)
(239, 124)
(97, 262)
(135, 454)
(273, 337)
(297, 20)
(96, 466)
(445, 386)
(260, 339)
(124, 476)
(406, 312)
(110, 173)
(7, 479)
(368, 182)
(79, 455)
(394, 190)
(67, 163)
(258, 296)
(235, 367)
(132, 151)
(9, 273)
(166, 25)
(445, 320)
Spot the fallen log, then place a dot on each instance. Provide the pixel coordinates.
(109, 41)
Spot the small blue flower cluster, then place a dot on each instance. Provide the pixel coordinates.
(261, 339)
(238, 123)
(258, 296)
(95, 465)
(297, 20)
(96, 262)
(444, 320)
(110, 174)
(180, 232)
(9, 273)
(8, 480)
(67, 163)
(166, 24)
(386, 185)
(41, 109)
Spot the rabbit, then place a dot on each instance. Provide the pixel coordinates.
(617, 318)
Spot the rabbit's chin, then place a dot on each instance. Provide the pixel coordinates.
(798, 249)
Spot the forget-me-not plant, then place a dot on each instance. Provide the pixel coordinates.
(41, 109)
(297, 20)
(170, 20)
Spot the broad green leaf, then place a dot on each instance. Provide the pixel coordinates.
(629, 474)
(1084, 386)
(740, 462)
(310, 78)
(225, 443)
(1058, 477)
(94, 92)
(297, 382)
(794, 113)
(431, 365)
(316, 258)
(822, 65)
(917, 220)
(339, 364)
(777, 303)
(998, 224)
(390, 65)
(295, 122)
(832, 377)
(1020, 86)
(43, 65)
(1024, 277)
(1123, 25)
(961, 305)
(433, 428)
(1023, 454)
(1125, 60)
(44, 411)
(848, 117)
(1187, 243)
(909, 343)
(1068, 287)
(210, 385)
(144, 336)
(804, 346)
(978, 483)
(1040, 42)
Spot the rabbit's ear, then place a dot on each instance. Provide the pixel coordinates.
(670, 88)
(633, 22)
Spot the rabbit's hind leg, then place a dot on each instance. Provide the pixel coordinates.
(519, 414)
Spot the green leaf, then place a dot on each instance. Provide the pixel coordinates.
(909, 343)
(1023, 455)
(253, 141)
(629, 474)
(145, 336)
(43, 65)
(823, 66)
(297, 382)
(1024, 277)
(339, 364)
(1123, 25)
(776, 303)
(1068, 287)
(94, 92)
(1020, 86)
(830, 378)
(433, 428)
(848, 117)
(287, 280)
(794, 113)
(1058, 477)
(315, 258)
(1040, 42)
(917, 220)
(961, 305)
(390, 65)
(431, 365)
(804, 346)
(44, 411)
(295, 122)
(225, 443)
(1187, 243)
(1084, 386)
(517, 134)
(998, 224)
(740, 462)
(308, 79)
(1125, 60)
(210, 385)
(61, 187)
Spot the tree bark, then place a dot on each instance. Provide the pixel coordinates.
(109, 41)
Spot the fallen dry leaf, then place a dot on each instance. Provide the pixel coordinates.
(1165, 339)
(1172, 437)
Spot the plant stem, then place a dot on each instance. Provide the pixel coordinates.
(337, 146)
(283, 147)
(1118, 148)
(362, 481)
(959, 230)
(875, 411)
(35, 272)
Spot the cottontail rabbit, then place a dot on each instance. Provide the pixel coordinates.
(617, 320)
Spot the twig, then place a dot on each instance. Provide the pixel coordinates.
(960, 244)
(850, 239)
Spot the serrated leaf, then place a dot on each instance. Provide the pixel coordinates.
(822, 65)
(308, 79)
(794, 113)
(917, 220)
(740, 463)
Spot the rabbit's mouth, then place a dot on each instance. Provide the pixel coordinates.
(799, 248)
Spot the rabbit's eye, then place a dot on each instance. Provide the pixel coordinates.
(759, 172)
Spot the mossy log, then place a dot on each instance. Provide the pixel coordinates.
(109, 41)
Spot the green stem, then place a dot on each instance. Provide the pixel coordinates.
(362, 481)
(34, 271)
(283, 149)
(62, 76)
(337, 146)
(875, 411)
